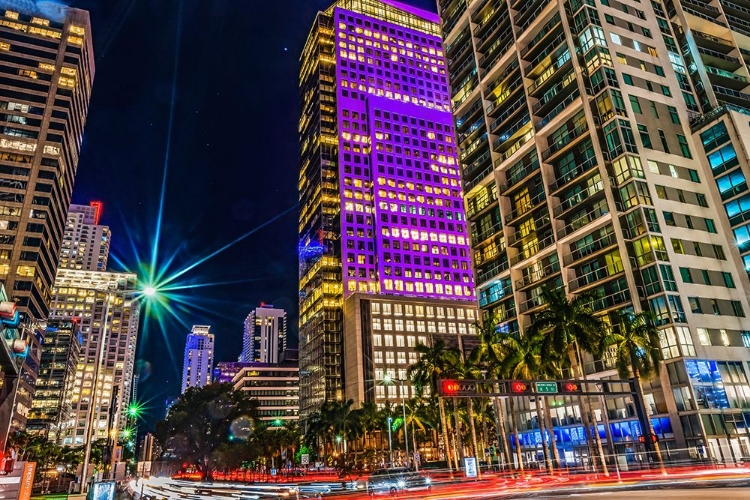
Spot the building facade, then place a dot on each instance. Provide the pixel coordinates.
(198, 363)
(52, 404)
(48, 70)
(264, 336)
(107, 307)
(274, 386)
(581, 170)
(86, 242)
(381, 202)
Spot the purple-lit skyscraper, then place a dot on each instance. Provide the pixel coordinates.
(382, 223)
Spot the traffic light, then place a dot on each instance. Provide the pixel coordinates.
(450, 387)
(571, 387)
(642, 439)
(519, 387)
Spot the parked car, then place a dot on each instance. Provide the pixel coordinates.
(395, 480)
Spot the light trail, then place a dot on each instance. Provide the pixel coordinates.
(170, 128)
(222, 249)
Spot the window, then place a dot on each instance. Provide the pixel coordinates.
(626, 77)
(635, 104)
(645, 138)
(737, 309)
(685, 275)
(695, 305)
(703, 337)
(674, 115)
(684, 148)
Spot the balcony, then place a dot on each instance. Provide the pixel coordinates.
(600, 244)
(479, 203)
(730, 96)
(597, 276)
(492, 271)
(519, 175)
(479, 235)
(509, 111)
(560, 65)
(474, 127)
(526, 207)
(560, 143)
(541, 35)
(592, 193)
(478, 165)
(536, 277)
(719, 60)
(517, 238)
(460, 71)
(531, 252)
(584, 219)
(496, 295)
(485, 31)
(567, 177)
(451, 15)
(610, 301)
(564, 105)
(550, 49)
(528, 14)
(555, 93)
(509, 132)
(497, 104)
(468, 115)
(530, 304)
(473, 147)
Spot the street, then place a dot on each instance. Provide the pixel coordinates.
(713, 493)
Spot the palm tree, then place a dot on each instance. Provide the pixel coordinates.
(371, 421)
(416, 419)
(467, 370)
(566, 327)
(490, 353)
(433, 364)
(638, 350)
(524, 362)
(346, 422)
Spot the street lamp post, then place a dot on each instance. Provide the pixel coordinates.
(390, 443)
(388, 380)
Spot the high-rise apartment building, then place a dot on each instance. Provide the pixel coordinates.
(581, 170)
(52, 404)
(198, 364)
(47, 73)
(86, 242)
(381, 203)
(106, 304)
(264, 336)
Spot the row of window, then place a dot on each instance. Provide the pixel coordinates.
(421, 311)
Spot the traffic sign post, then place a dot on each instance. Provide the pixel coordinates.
(546, 387)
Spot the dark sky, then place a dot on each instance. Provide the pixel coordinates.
(233, 160)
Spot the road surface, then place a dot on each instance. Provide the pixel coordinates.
(712, 493)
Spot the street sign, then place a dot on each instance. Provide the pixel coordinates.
(470, 463)
(305, 459)
(546, 387)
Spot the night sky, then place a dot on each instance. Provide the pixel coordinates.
(233, 159)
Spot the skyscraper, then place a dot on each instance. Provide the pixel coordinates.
(86, 242)
(198, 364)
(106, 304)
(381, 204)
(264, 336)
(583, 168)
(52, 405)
(48, 71)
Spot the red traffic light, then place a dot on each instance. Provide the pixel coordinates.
(450, 387)
(642, 439)
(520, 387)
(571, 387)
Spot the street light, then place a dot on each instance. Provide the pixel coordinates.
(388, 380)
